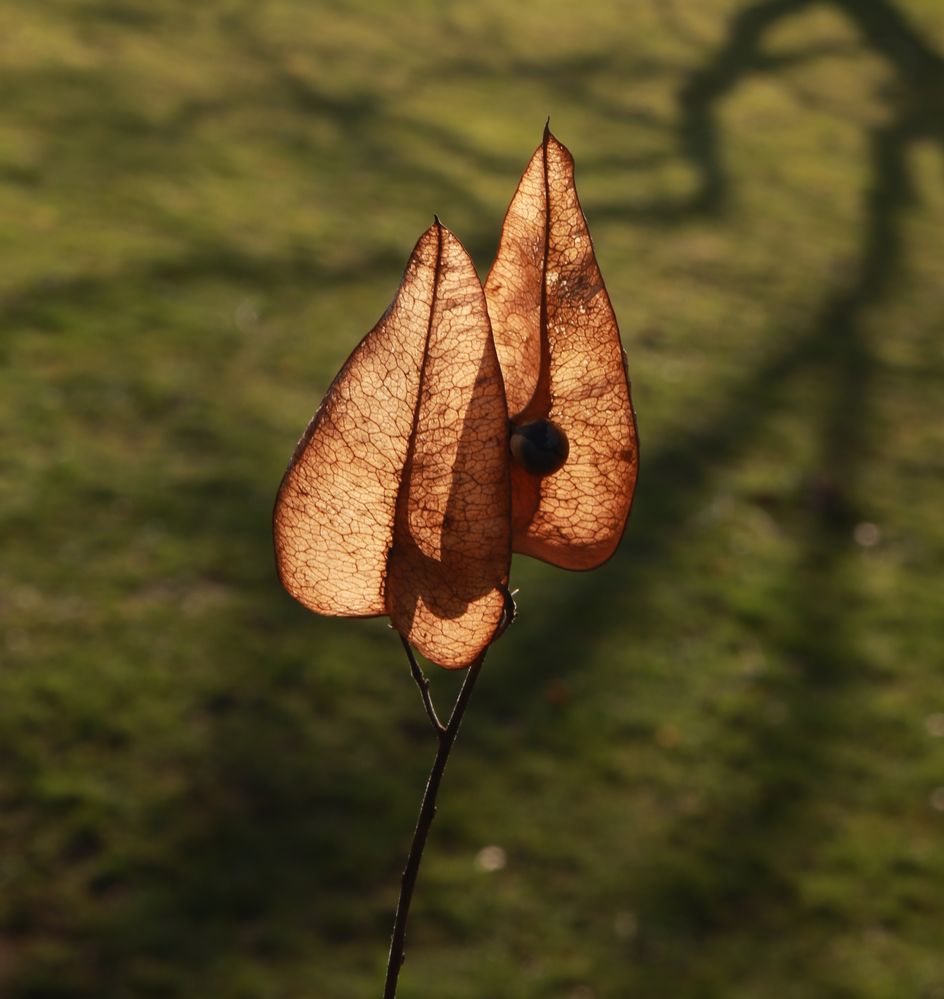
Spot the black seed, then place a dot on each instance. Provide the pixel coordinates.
(540, 447)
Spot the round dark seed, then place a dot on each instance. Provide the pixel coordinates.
(540, 447)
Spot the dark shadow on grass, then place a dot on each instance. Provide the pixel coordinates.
(41, 304)
(746, 848)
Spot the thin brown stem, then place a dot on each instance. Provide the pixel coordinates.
(446, 734)
(422, 681)
(427, 813)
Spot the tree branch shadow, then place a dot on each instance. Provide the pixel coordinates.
(754, 840)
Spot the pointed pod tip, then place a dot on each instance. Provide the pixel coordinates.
(444, 234)
(553, 146)
(435, 231)
(550, 139)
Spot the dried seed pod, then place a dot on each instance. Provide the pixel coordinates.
(562, 361)
(397, 498)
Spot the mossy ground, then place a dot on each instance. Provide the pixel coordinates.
(715, 765)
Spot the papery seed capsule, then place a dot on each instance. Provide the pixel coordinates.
(540, 447)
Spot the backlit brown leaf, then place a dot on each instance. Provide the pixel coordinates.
(561, 358)
(397, 498)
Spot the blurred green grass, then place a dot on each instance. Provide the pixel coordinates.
(712, 764)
